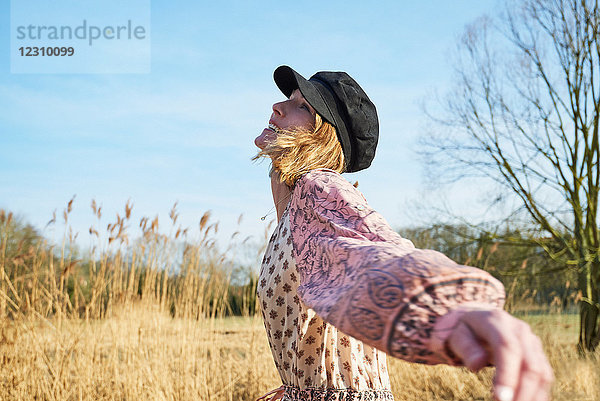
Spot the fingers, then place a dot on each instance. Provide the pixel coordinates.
(532, 376)
(495, 331)
(504, 393)
(536, 371)
(468, 348)
(493, 336)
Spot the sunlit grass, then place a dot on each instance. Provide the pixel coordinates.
(145, 320)
(143, 353)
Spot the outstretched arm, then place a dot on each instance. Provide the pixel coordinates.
(483, 337)
(362, 277)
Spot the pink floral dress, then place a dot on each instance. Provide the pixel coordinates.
(338, 287)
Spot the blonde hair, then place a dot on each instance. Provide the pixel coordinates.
(296, 151)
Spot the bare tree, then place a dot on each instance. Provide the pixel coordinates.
(525, 113)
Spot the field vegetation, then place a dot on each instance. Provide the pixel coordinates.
(172, 317)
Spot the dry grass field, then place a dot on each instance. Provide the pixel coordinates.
(119, 324)
(141, 353)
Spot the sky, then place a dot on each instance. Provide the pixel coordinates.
(180, 127)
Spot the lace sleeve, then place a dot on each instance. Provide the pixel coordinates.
(369, 282)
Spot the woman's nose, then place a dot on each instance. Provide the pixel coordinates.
(278, 108)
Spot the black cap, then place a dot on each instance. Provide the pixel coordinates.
(343, 103)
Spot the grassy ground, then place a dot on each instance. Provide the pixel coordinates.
(143, 354)
(119, 324)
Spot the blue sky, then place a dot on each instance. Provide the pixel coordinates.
(184, 131)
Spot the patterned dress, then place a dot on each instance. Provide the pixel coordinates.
(338, 285)
(312, 356)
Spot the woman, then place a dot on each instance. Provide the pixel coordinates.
(338, 286)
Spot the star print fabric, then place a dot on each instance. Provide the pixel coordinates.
(339, 289)
(308, 352)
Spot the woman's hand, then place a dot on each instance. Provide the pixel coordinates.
(483, 337)
(281, 193)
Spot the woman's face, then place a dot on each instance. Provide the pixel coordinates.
(294, 112)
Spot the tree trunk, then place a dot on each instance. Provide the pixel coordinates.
(589, 310)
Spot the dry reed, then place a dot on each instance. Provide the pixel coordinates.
(144, 319)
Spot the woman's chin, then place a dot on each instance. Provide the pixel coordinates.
(261, 140)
